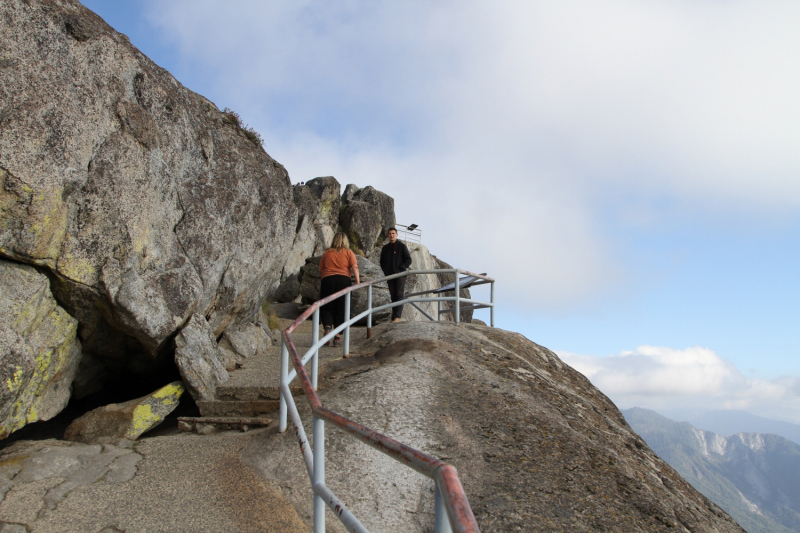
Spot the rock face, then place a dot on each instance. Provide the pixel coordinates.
(39, 352)
(327, 190)
(199, 359)
(318, 205)
(241, 342)
(128, 420)
(144, 202)
(366, 215)
(537, 447)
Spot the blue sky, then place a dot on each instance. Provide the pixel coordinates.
(628, 170)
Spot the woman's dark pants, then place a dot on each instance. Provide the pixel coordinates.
(332, 313)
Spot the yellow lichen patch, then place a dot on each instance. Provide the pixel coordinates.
(77, 268)
(16, 380)
(152, 410)
(143, 419)
(49, 224)
(170, 392)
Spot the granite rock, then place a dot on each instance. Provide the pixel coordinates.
(142, 200)
(326, 190)
(39, 351)
(537, 447)
(365, 217)
(199, 359)
(128, 420)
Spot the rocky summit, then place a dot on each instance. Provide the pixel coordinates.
(147, 237)
(536, 445)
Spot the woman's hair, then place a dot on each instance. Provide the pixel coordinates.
(340, 242)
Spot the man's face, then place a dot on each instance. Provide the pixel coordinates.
(392, 236)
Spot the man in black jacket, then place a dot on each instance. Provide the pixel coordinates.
(395, 258)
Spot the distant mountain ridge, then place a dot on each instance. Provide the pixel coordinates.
(755, 477)
(730, 422)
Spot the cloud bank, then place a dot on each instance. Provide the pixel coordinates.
(530, 127)
(695, 378)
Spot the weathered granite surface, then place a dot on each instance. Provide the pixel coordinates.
(537, 447)
(199, 359)
(127, 420)
(365, 216)
(144, 201)
(39, 351)
(177, 482)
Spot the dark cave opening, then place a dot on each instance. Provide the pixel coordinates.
(119, 387)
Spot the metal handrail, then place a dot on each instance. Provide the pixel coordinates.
(452, 508)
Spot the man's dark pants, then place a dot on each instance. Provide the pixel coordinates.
(397, 290)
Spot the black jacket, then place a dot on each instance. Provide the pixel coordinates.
(395, 258)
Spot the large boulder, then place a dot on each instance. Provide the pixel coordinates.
(127, 420)
(39, 351)
(366, 215)
(318, 206)
(199, 359)
(289, 290)
(144, 202)
(327, 189)
(243, 341)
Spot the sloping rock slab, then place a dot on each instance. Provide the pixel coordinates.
(39, 352)
(125, 420)
(199, 359)
(537, 447)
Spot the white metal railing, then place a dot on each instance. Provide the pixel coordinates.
(452, 509)
(410, 233)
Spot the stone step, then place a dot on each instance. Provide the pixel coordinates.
(253, 408)
(204, 424)
(242, 393)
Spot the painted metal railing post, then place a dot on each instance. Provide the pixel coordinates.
(439, 310)
(369, 308)
(315, 340)
(284, 381)
(457, 313)
(319, 473)
(441, 522)
(347, 329)
(491, 301)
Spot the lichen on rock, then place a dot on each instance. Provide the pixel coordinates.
(135, 193)
(39, 352)
(126, 420)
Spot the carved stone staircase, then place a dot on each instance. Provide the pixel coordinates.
(251, 395)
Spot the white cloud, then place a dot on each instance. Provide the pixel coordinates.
(519, 124)
(694, 378)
